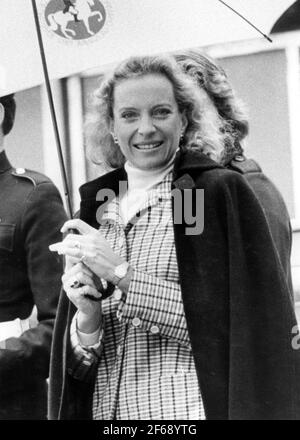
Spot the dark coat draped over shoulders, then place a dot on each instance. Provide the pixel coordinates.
(237, 302)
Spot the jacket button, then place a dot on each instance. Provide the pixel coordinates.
(119, 315)
(20, 171)
(118, 294)
(154, 329)
(136, 322)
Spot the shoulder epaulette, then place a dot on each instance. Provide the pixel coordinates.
(242, 165)
(33, 176)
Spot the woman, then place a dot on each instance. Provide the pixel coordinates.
(232, 121)
(192, 330)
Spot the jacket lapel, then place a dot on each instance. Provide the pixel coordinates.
(90, 203)
(192, 163)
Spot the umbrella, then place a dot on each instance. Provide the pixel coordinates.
(118, 28)
(75, 36)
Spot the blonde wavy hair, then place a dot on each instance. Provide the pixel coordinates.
(99, 140)
(211, 77)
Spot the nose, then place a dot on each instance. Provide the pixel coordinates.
(146, 126)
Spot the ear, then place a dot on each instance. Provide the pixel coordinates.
(2, 114)
(184, 121)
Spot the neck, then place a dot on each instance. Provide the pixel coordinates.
(139, 183)
(145, 179)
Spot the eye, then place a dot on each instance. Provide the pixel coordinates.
(129, 115)
(161, 112)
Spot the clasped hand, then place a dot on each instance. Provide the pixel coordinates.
(86, 254)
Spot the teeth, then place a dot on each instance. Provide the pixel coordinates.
(147, 146)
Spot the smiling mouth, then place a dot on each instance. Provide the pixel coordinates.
(149, 146)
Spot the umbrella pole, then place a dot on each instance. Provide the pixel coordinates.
(52, 110)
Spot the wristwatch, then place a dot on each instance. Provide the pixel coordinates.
(120, 272)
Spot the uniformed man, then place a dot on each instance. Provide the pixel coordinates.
(31, 215)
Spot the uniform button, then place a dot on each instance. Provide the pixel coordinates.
(20, 171)
(118, 294)
(154, 329)
(87, 362)
(136, 322)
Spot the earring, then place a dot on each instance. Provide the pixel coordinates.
(115, 139)
(182, 135)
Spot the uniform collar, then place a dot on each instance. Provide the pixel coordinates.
(4, 162)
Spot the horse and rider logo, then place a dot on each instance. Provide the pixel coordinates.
(75, 19)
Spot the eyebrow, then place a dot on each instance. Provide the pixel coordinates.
(163, 104)
(126, 108)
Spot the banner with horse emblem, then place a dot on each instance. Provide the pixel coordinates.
(83, 34)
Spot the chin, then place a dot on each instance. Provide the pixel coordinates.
(153, 165)
(150, 163)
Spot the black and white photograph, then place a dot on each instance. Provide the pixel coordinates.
(149, 213)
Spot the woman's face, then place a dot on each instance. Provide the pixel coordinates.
(146, 120)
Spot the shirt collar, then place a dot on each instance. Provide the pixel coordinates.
(162, 192)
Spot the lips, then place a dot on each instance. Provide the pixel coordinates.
(148, 146)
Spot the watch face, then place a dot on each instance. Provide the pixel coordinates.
(121, 270)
